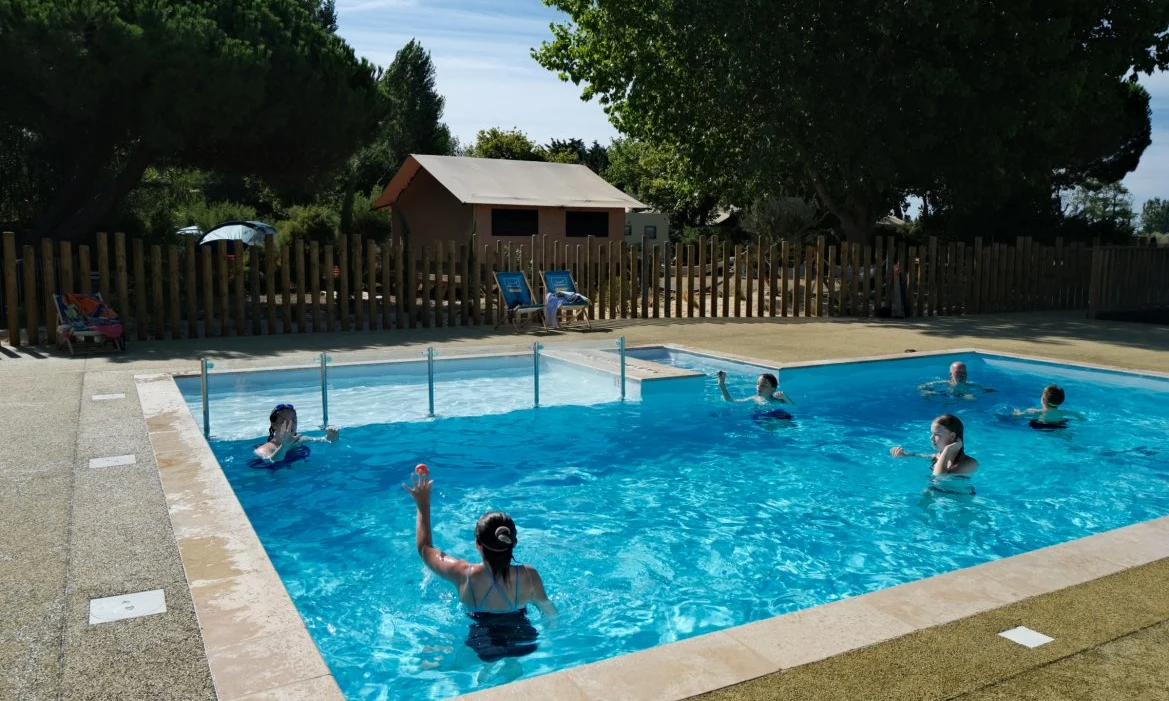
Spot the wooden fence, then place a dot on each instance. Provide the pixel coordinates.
(1127, 280)
(172, 292)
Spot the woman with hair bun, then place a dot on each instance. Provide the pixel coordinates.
(496, 592)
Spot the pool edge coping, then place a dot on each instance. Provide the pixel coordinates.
(669, 672)
(253, 637)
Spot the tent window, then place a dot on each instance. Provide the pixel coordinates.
(586, 224)
(515, 222)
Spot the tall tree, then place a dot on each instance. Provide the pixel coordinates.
(1155, 217)
(99, 90)
(510, 144)
(1107, 205)
(414, 121)
(865, 103)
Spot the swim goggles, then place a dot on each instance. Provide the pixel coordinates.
(280, 407)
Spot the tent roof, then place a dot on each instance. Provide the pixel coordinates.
(516, 183)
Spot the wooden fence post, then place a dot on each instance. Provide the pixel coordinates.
(254, 284)
(31, 307)
(223, 271)
(49, 285)
(159, 306)
(702, 258)
(208, 293)
(387, 284)
(329, 283)
(301, 320)
(12, 305)
(84, 270)
(103, 266)
(270, 282)
(343, 292)
(451, 306)
(314, 266)
(176, 314)
(400, 283)
(121, 278)
(358, 295)
(286, 286)
(140, 313)
(817, 301)
(237, 264)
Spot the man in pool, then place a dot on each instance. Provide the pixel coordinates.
(1049, 415)
(766, 390)
(282, 435)
(956, 386)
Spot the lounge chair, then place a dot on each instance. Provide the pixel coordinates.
(577, 306)
(516, 303)
(83, 319)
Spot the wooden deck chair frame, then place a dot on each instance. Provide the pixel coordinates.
(67, 333)
(516, 303)
(562, 281)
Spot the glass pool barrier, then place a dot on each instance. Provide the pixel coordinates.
(408, 384)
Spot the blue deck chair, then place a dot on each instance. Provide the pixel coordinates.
(561, 281)
(515, 299)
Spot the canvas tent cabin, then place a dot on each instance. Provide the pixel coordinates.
(443, 198)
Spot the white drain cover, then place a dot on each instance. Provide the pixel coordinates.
(115, 461)
(1026, 636)
(105, 397)
(116, 608)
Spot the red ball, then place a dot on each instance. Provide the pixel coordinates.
(422, 469)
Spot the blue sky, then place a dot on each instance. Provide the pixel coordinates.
(481, 50)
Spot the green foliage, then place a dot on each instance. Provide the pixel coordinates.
(863, 104)
(1105, 209)
(412, 124)
(1155, 217)
(97, 91)
(367, 223)
(511, 144)
(779, 217)
(309, 223)
(661, 178)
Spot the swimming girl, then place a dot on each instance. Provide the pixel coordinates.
(950, 460)
(282, 435)
(495, 592)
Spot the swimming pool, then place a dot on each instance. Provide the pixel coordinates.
(651, 526)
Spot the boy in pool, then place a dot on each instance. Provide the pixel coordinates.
(766, 390)
(282, 435)
(956, 386)
(1049, 415)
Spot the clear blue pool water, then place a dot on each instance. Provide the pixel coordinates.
(655, 522)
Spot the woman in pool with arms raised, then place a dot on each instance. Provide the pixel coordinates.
(496, 593)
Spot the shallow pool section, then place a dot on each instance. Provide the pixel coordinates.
(654, 522)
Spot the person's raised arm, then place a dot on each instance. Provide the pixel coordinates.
(722, 386)
(947, 459)
(899, 452)
(449, 568)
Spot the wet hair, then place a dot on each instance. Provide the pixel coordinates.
(768, 377)
(496, 533)
(953, 424)
(1053, 395)
(276, 413)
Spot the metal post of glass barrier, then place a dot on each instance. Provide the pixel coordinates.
(621, 352)
(430, 379)
(204, 366)
(536, 348)
(324, 360)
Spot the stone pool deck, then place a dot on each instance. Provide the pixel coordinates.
(70, 533)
